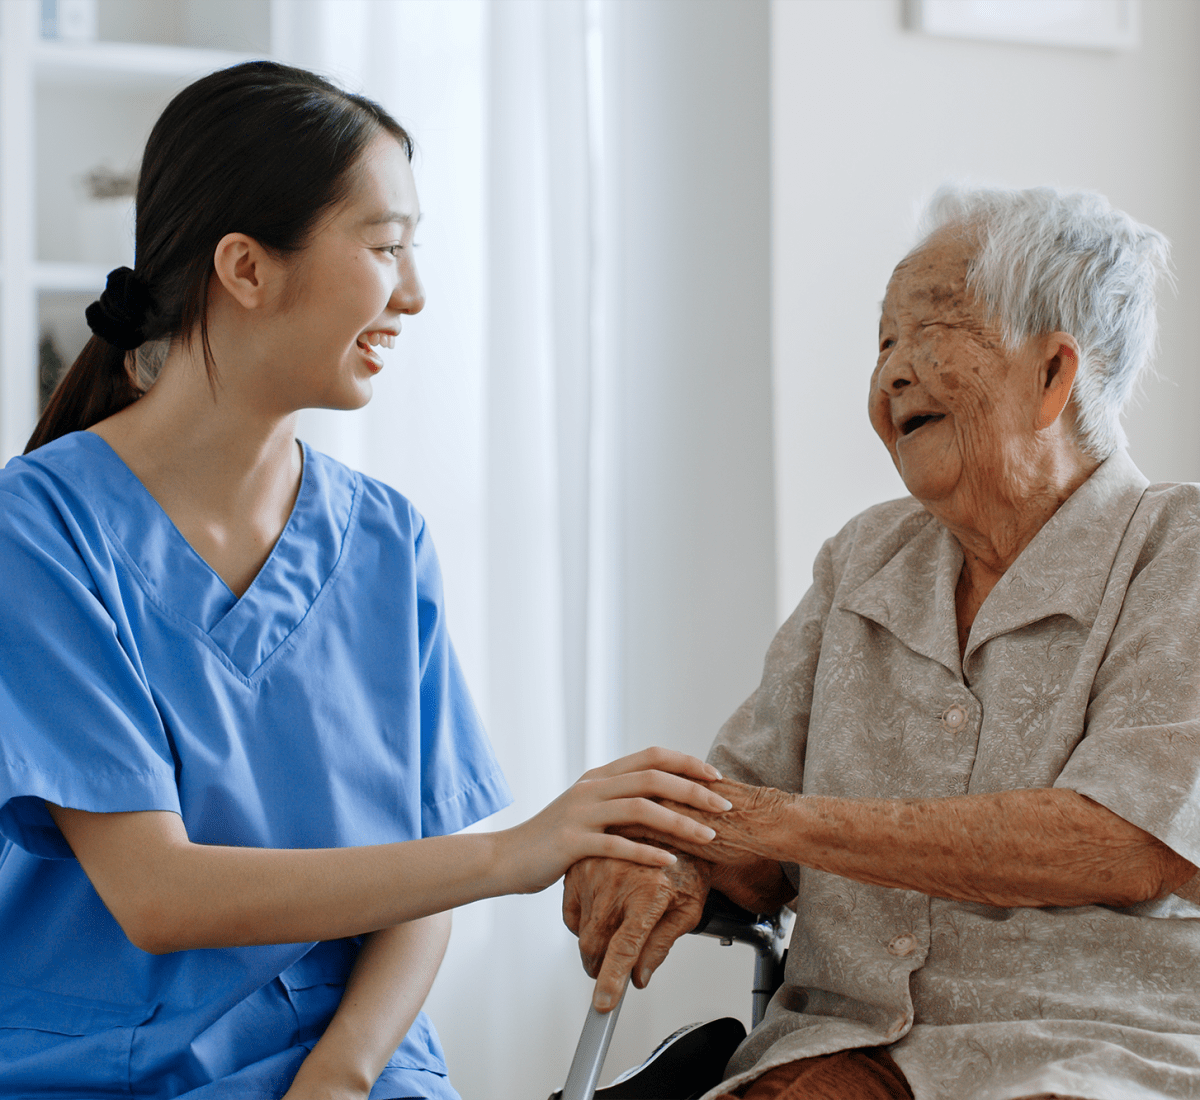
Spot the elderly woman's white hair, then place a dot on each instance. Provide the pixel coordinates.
(1053, 260)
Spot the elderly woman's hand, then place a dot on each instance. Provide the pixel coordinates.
(756, 813)
(628, 915)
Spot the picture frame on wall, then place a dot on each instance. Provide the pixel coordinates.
(1084, 24)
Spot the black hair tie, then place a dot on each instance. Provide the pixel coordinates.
(120, 313)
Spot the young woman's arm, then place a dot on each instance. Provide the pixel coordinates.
(169, 894)
(390, 982)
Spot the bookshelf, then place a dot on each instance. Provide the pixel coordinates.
(71, 109)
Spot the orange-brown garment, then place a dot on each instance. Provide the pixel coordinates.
(868, 1073)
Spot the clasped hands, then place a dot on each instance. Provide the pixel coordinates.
(627, 916)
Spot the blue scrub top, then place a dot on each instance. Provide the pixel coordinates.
(324, 708)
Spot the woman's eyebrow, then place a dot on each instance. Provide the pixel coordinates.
(393, 216)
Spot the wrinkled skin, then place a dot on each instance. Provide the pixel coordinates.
(990, 454)
(627, 917)
(754, 812)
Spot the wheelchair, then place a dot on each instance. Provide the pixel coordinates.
(692, 1060)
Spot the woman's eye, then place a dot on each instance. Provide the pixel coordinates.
(887, 345)
(392, 249)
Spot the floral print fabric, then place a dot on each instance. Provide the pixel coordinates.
(1082, 670)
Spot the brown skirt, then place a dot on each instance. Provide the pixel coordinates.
(868, 1073)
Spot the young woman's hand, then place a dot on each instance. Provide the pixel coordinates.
(574, 826)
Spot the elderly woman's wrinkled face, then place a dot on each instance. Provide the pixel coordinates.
(953, 407)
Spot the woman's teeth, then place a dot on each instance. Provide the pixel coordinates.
(376, 339)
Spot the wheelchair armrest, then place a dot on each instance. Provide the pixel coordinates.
(767, 933)
(729, 922)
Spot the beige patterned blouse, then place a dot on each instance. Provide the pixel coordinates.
(1082, 670)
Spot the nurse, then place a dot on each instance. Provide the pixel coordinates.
(233, 732)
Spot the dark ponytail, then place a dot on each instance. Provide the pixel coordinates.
(262, 149)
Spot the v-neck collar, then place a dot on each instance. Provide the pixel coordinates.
(246, 629)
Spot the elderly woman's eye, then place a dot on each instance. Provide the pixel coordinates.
(886, 344)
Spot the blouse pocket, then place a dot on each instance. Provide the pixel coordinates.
(49, 1043)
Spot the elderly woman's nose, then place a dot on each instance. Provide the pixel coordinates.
(896, 372)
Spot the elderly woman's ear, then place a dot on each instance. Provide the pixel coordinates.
(1059, 365)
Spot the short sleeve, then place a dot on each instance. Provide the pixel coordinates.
(1140, 754)
(764, 742)
(461, 781)
(78, 726)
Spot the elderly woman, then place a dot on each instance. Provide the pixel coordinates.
(974, 758)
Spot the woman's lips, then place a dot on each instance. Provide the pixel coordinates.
(374, 363)
(916, 423)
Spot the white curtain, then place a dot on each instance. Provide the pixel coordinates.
(493, 414)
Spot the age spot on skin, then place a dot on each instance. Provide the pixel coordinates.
(941, 296)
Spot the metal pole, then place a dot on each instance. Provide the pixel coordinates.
(589, 1057)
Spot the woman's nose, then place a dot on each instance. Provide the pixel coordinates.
(896, 372)
(409, 295)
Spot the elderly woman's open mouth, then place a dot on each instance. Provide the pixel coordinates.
(912, 423)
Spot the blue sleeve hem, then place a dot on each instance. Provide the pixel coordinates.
(481, 799)
(24, 790)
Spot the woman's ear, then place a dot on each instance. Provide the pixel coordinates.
(1059, 365)
(250, 274)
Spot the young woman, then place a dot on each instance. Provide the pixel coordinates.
(233, 732)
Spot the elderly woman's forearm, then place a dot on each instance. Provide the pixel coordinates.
(1050, 847)
(760, 886)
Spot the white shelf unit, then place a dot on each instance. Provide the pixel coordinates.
(67, 108)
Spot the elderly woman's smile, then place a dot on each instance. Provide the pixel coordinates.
(910, 424)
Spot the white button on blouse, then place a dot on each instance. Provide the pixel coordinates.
(954, 718)
(904, 944)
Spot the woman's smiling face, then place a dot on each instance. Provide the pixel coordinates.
(953, 406)
(351, 284)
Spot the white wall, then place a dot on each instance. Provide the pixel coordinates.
(693, 342)
(868, 119)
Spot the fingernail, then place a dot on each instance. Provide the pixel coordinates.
(643, 976)
(724, 804)
(715, 774)
(603, 1002)
(708, 833)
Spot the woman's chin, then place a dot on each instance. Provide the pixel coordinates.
(930, 486)
(346, 399)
